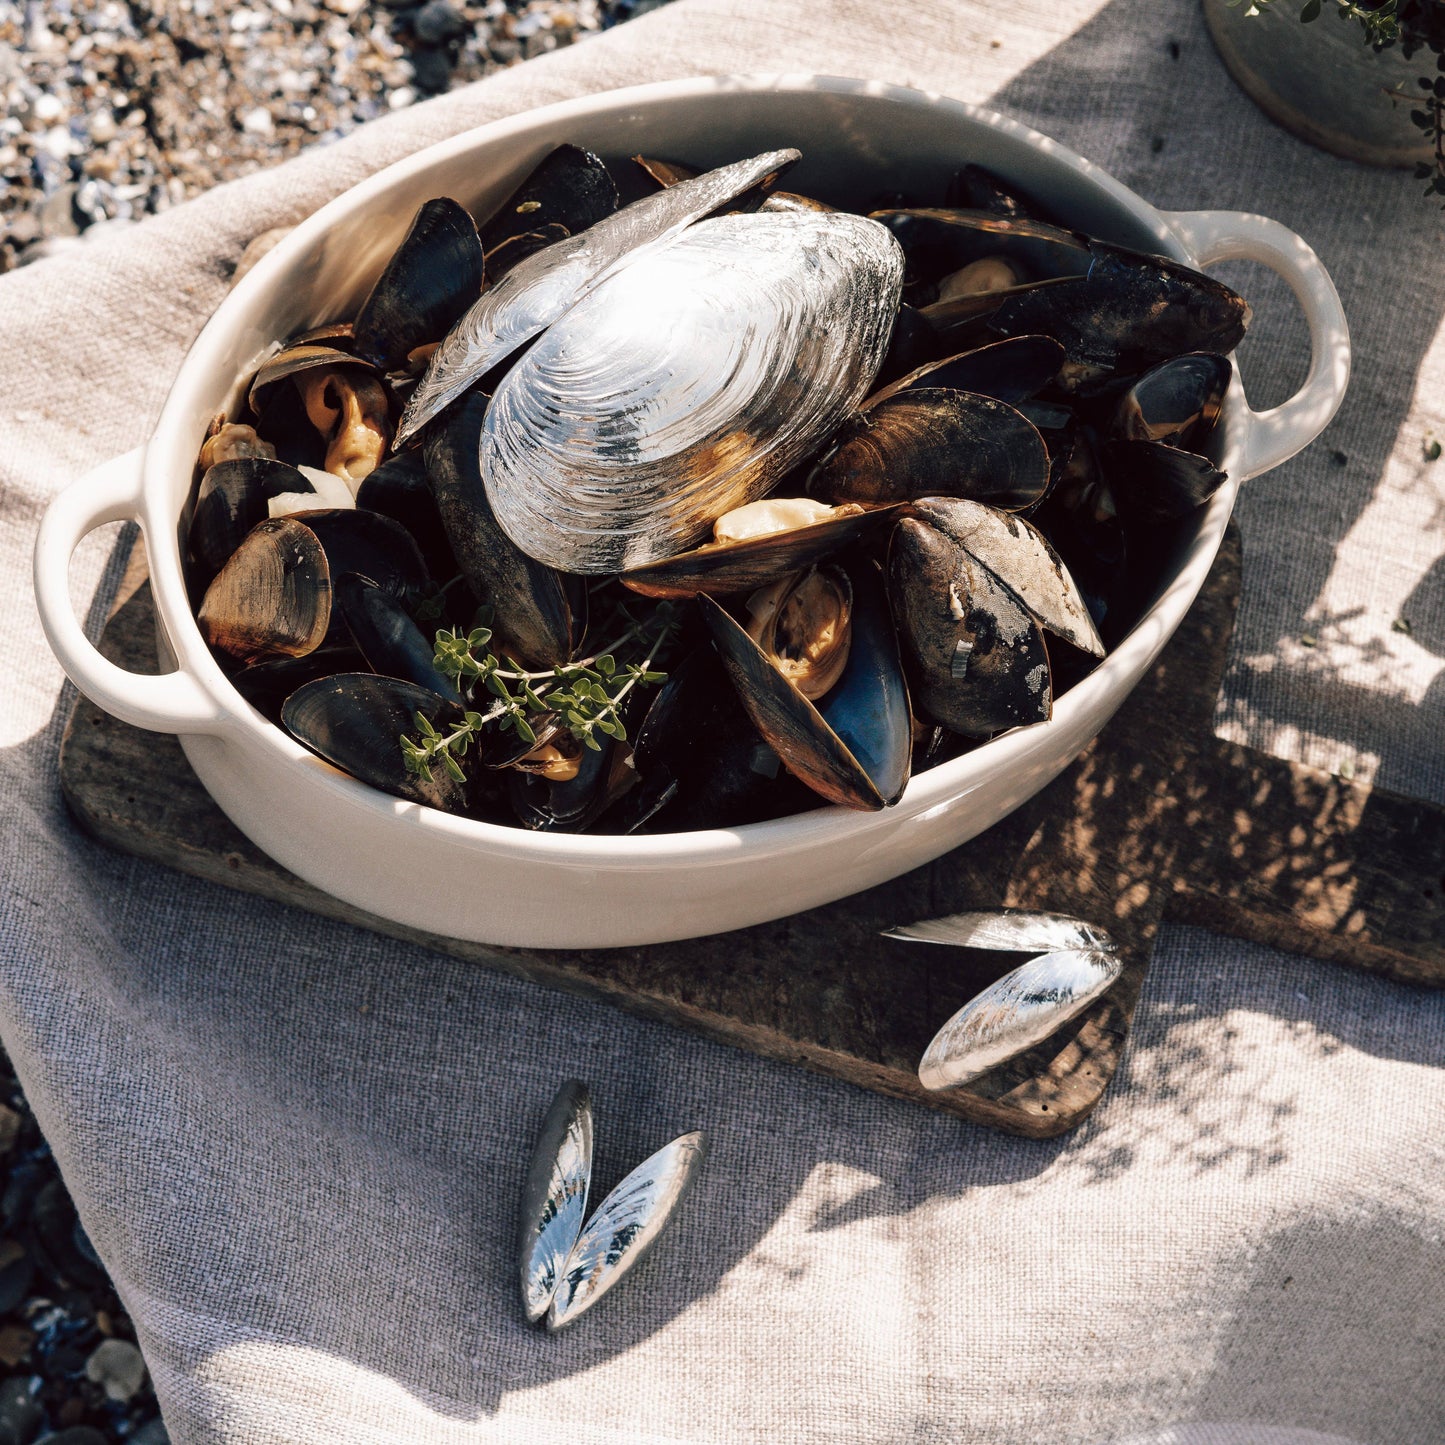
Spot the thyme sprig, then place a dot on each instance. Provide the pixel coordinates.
(586, 697)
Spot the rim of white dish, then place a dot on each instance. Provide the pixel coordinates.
(945, 784)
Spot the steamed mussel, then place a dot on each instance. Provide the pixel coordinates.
(709, 508)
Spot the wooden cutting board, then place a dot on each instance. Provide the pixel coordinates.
(1157, 819)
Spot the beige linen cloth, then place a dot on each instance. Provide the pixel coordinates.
(297, 1146)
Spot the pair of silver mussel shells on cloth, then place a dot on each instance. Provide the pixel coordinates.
(568, 1265)
(1078, 963)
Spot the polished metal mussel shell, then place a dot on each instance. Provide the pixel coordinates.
(687, 385)
(544, 285)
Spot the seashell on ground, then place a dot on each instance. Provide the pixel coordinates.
(554, 1200)
(1014, 1013)
(1014, 930)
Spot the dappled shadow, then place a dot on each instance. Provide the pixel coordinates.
(350, 1112)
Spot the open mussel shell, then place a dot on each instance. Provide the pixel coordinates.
(383, 630)
(548, 283)
(974, 188)
(400, 489)
(940, 242)
(1021, 557)
(232, 499)
(625, 1227)
(293, 361)
(1011, 371)
(1006, 930)
(267, 684)
(1154, 482)
(1177, 402)
(568, 805)
(934, 442)
(538, 614)
(1129, 313)
(568, 192)
(853, 746)
(702, 762)
(720, 568)
(1018, 1011)
(554, 1198)
(274, 595)
(976, 655)
(356, 720)
(686, 385)
(272, 598)
(431, 279)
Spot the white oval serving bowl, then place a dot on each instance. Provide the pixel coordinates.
(471, 880)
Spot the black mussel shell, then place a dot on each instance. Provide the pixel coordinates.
(1012, 370)
(1177, 402)
(913, 344)
(371, 544)
(940, 242)
(720, 568)
(282, 422)
(701, 762)
(975, 654)
(854, 746)
(392, 644)
(568, 192)
(548, 807)
(232, 499)
(1154, 482)
(268, 683)
(356, 721)
(1021, 557)
(432, 278)
(273, 596)
(933, 442)
(400, 489)
(760, 197)
(1129, 313)
(289, 363)
(539, 615)
(975, 189)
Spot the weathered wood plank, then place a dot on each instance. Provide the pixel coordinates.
(1156, 819)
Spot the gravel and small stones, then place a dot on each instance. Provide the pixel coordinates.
(70, 1370)
(111, 111)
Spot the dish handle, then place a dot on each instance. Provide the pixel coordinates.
(170, 702)
(1276, 435)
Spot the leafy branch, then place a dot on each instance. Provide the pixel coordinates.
(1416, 25)
(584, 697)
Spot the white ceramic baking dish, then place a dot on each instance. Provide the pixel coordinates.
(471, 880)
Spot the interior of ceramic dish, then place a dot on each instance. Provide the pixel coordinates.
(856, 141)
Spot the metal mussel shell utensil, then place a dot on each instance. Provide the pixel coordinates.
(545, 285)
(565, 1266)
(686, 385)
(1078, 964)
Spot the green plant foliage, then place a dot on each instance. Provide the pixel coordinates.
(586, 697)
(1414, 25)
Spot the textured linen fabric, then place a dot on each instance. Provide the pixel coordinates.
(297, 1146)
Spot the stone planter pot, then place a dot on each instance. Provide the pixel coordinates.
(1322, 82)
